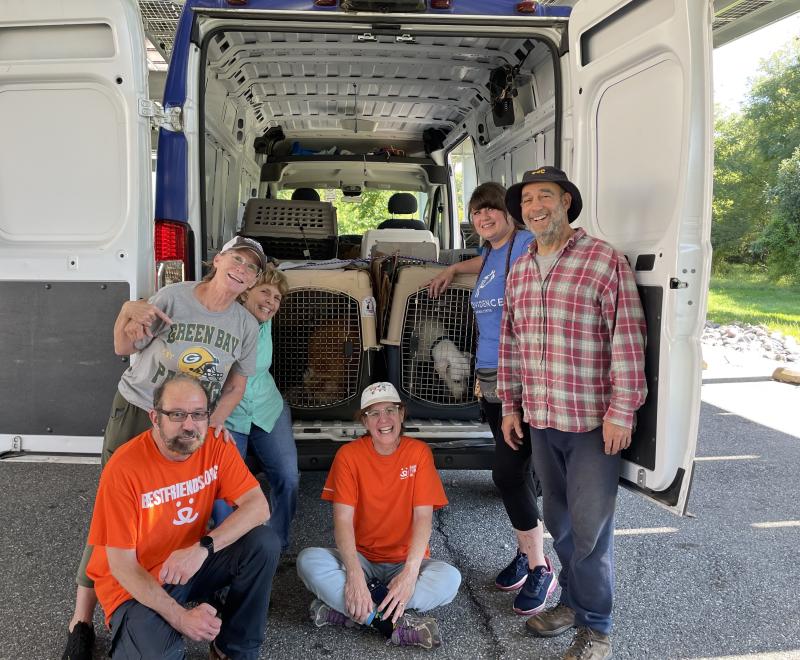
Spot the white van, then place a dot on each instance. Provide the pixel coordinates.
(427, 97)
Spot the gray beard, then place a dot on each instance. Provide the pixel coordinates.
(182, 443)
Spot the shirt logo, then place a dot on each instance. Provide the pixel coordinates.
(485, 282)
(186, 515)
(407, 472)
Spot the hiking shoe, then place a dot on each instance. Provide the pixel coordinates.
(412, 630)
(80, 642)
(552, 622)
(589, 644)
(539, 584)
(513, 576)
(322, 615)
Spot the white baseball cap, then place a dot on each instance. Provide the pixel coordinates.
(379, 393)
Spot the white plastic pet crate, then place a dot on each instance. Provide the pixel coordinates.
(324, 342)
(289, 229)
(409, 338)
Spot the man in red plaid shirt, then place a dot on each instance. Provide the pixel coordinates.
(571, 363)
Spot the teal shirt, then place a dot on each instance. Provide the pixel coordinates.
(262, 402)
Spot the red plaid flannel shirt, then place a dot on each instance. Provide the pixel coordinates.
(572, 346)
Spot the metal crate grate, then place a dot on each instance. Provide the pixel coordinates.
(443, 327)
(317, 348)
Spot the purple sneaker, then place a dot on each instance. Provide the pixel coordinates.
(539, 584)
(412, 630)
(513, 576)
(322, 615)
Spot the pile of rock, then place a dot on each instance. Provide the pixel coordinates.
(756, 338)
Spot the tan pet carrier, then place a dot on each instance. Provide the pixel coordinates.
(429, 345)
(324, 342)
(292, 229)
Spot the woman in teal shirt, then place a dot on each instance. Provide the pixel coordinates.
(262, 421)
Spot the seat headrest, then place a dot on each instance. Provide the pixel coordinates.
(402, 203)
(402, 223)
(305, 195)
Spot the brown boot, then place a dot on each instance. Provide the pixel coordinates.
(552, 622)
(215, 654)
(589, 645)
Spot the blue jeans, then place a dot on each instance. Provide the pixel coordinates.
(579, 494)
(322, 571)
(277, 453)
(246, 567)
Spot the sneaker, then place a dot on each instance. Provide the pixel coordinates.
(539, 584)
(589, 644)
(412, 630)
(215, 654)
(322, 615)
(513, 576)
(552, 622)
(80, 642)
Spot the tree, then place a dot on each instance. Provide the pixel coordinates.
(750, 149)
(780, 239)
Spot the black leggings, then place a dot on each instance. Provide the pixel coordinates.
(512, 472)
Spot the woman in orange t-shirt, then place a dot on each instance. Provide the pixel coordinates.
(384, 487)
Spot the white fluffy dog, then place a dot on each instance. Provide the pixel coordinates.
(451, 364)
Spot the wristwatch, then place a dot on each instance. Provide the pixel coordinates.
(208, 543)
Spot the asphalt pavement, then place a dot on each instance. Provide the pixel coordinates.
(720, 583)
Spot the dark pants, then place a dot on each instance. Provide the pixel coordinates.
(512, 472)
(579, 492)
(247, 567)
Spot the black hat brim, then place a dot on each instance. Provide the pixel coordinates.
(514, 199)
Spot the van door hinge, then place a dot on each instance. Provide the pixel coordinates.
(159, 117)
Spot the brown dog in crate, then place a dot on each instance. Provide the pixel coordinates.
(332, 365)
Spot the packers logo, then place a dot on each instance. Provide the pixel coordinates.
(200, 363)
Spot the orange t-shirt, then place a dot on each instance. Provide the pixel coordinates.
(154, 505)
(384, 491)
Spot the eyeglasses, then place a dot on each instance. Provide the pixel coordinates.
(389, 411)
(181, 415)
(253, 268)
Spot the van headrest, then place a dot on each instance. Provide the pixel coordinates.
(402, 203)
(305, 195)
(402, 223)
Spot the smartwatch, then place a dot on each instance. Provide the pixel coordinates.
(208, 543)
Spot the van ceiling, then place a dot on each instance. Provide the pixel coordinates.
(377, 88)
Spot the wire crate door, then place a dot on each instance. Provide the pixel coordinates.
(317, 348)
(437, 347)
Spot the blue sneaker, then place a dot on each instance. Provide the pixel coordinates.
(539, 584)
(513, 576)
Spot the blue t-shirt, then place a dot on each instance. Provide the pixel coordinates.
(488, 296)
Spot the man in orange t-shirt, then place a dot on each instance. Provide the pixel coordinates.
(384, 488)
(152, 554)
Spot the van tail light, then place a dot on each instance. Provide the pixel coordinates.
(441, 4)
(171, 251)
(325, 3)
(527, 7)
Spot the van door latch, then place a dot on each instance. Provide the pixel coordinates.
(675, 283)
(169, 119)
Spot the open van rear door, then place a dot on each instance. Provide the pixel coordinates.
(642, 157)
(75, 213)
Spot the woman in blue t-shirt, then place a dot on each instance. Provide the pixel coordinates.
(262, 421)
(512, 470)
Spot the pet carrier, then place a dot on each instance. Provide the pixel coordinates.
(430, 343)
(292, 229)
(324, 342)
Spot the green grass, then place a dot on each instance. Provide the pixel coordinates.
(741, 295)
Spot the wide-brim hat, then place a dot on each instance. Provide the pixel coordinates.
(244, 243)
(544, 174)
(379, 393)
